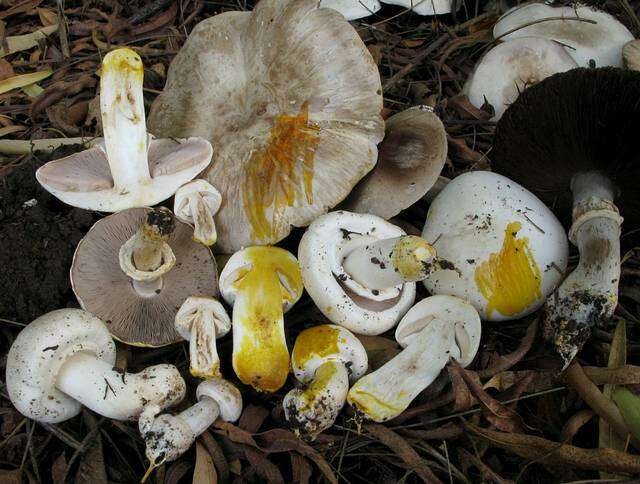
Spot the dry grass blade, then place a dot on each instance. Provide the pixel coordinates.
(19, 43)
(23, 80)
(204, 472)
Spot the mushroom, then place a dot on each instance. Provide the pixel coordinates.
(434, 331)
(291, 98)
(64, 360)
(325, 359)
(196, 203)
(631, 55)
(261, 283)
(571, 139)
(134, 270)
(425, 7)
(508, 247)
(360, 270)
(593, 38)
(410, 159)
(352, 9)
(200, 321)
(512, 66)
(128, 169)
(167, 437)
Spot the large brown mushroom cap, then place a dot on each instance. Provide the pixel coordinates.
(103, 289)
(290, 99)
(577, 121)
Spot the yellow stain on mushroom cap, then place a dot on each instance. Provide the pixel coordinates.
(261, 357)
(319, 341)
(510, 280)
(124, 61)
(313, 393)
(280, 174)
(411, 256)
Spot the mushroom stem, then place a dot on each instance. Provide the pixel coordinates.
(118, 395)
(123, 119)
(314, 407)
(589, 295)
(388, 391)
(204, 227)
(203, 352)
(391, 262)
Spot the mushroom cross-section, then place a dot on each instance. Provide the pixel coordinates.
(129, 169)
(290, 97)
(65, 358)
(200, 321)
(135, 268)
(261, 283)
(325, 359)
(411, 156)
(435, 330)
(509, 249)
(360, 270)
(196, 203)
(570, 139)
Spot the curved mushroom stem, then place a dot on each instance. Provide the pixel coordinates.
(146, 256)
(589, 295)
(203, 351)
(388, 391)
(123, 119)
(204, 227)
(312, 409)
(391, 262)
(118, 395)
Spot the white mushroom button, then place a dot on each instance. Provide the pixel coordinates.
(591, 37)
(509, 248)
(325, 359)
(360, 270)
(200, 321)
(64, 360)
(129, 170)
(512, 66)
(261, 283)
(167, 437)
(196, 203)
(434, 331)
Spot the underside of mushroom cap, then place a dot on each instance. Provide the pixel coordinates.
(587, 33)
(410, 159)
(104, 289)
(291, 99)
(578, 121)
(39, 352)
(84, 179)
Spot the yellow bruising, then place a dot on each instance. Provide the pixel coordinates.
(510, 280)
(411, 256)
(314, 392)
(319, 341)
(261, 357)
(280, 174)
(124, 61)
(203, 354)
(373, 407)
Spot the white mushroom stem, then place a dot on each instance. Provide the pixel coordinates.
(203, 351)
(390, 262)
(123, 119)
(204, 227)
(589, 294)
(315, 407)
(114, 394)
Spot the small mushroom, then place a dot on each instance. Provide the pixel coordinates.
(135, 268)
(511, 67)
(509, 249)
(593, 38)
(200, 321)
(631, 55)
(411, 156)
(195, 204)
(167, 437)
(571, 140)
(434, 331)
(64, 360)
(352, 9)
(261, 283)
(325, 359)
(360, 270)
(129, 169)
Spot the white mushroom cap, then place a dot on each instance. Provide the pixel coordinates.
(631, 55)
(512, 66)
(226, 395)
(434, 331)
(424, 7)
(352, 9)
(600, 40)
(196, 203)
(322, 250)
(509, 248)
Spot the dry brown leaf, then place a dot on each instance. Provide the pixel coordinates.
(263, 466)
(91, 469)
(47, 16)
(6, 70)
(464, 400)
(300, 469)
(507, 361)
(158, 21)
(26, 6)
(574, 424)
(448, 431)
(624, 375)
(252, 418)
(459, 149)
(465, 109)
(216, 453)
(467, 459)
(204, 472)
(403, 450)
(176, 471)
(379, 350)
(58, 468)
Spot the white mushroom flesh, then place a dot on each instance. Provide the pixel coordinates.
(196, 203)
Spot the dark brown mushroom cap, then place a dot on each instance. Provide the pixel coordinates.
(575, 121)
(104, 290)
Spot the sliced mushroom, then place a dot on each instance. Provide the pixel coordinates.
(195, 204)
